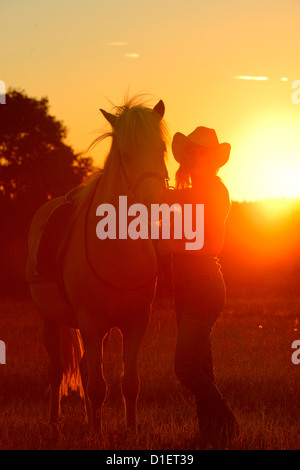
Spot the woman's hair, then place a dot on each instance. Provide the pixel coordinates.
(183, 177)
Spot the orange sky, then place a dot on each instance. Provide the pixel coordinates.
(197, 56)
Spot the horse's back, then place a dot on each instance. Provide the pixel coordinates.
(37, 226)
(50, 228)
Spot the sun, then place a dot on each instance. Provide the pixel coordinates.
(268, 159)
(283, 180)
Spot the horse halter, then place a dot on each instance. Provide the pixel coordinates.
(132, 188)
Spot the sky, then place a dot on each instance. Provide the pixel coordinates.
(228, 65)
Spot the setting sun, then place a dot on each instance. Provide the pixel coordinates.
(274, 149)
(265, 157)
(277, 163)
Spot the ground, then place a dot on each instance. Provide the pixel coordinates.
(252, 354)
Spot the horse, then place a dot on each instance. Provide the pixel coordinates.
(104, 283)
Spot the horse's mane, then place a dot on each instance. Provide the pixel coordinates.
(136, 130)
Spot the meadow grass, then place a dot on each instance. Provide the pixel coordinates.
(252, 354)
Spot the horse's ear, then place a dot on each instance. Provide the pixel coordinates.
(159, 108)
(110, 117)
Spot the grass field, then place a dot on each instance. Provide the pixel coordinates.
(252, 352)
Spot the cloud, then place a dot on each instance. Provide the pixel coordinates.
(120, 43)
(132, 55)
(249, 77)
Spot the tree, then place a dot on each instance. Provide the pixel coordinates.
(35, 163)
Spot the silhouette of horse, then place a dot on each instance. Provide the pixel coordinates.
(84, 286)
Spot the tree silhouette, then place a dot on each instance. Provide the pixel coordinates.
(35, 163)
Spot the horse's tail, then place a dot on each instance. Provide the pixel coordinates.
(71, 351)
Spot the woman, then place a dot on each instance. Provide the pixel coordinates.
(198, 281)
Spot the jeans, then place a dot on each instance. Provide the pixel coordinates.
(198, 304)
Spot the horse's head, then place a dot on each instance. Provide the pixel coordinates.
(138, 148)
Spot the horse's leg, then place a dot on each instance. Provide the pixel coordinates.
(96, 385)
(132, 339)
(51, 339)
(84, 380)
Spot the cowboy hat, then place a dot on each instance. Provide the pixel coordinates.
(201, 138)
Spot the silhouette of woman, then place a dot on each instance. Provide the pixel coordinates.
(198, 280)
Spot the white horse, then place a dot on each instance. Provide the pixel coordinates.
(101, 283)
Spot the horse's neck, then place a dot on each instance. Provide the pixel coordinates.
(112, 185)
(119, 261)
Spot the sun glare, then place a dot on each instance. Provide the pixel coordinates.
(272, 157)
(276, 210)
